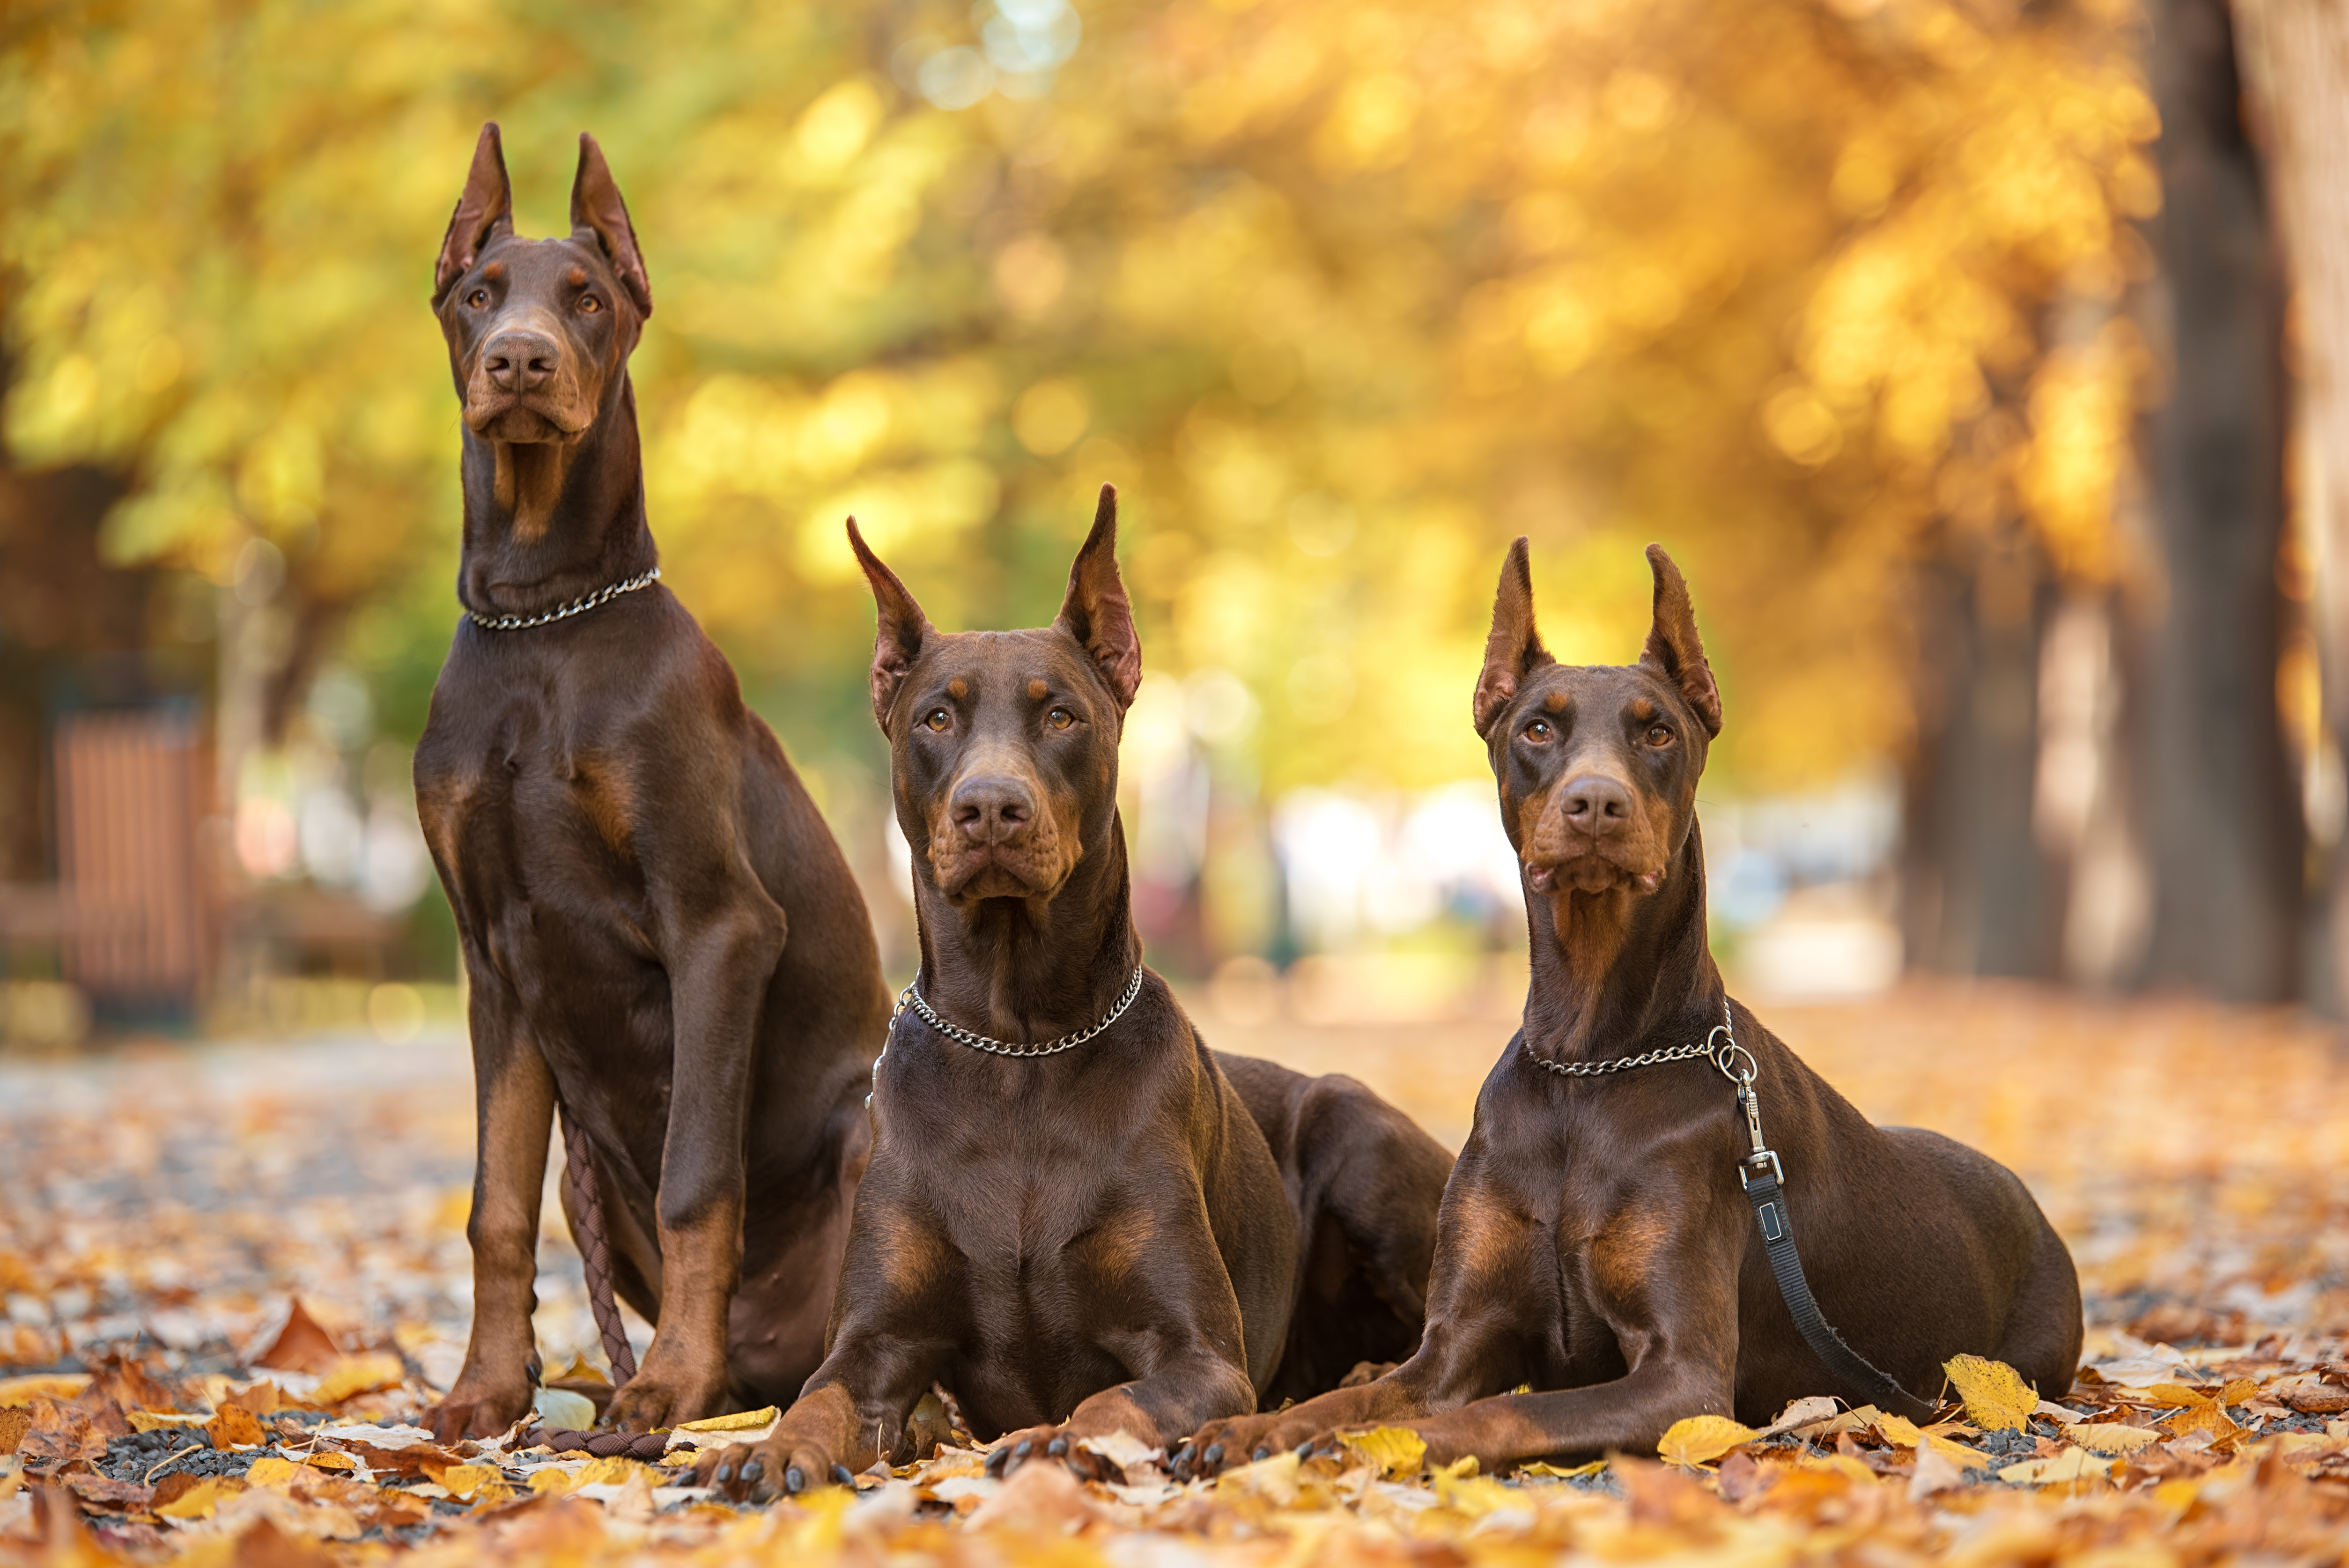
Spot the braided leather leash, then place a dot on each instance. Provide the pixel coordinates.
(596, 1252)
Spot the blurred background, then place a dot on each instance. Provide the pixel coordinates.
(1980, 362)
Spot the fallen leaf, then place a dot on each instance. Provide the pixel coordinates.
(42, 1386)
(609, 1470)
(264, 1546)
(562, 1409)
(464, 1481)
(1996, 1397)
(1554, 1473)
(1698, 1439)
(1934, 1472)
(155, 1421)
(2111, 1437)
(1459, 1487)
(356, 1375)
(301, 1345)
(15, 1422)
(1274, 1480)
(1399, 1452)
(551, 1479)
(741, 1420)
(106, 1491)
(327, 1460)
(1801, 1412)
(234, 1426)
(270, 1471)
(199, 1499)
(2070, 1465)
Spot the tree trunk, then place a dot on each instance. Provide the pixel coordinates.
(2295, 56)
(2224, 818)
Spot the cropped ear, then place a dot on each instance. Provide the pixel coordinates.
(903, 628)
(1674, 648)
(484, 212)
(1513, 650)
(596, 204)
(1097, 613)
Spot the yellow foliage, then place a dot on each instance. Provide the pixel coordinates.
(1996, 1397)
(740, 1421)
(1699, 1440)
(357, 1374)
(1397, 1451)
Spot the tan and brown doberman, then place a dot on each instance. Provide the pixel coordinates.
(1596, 1241)
(659, 932)
(1079, 1220)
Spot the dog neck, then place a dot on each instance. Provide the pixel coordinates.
(547, 522)
(1030, 971)
(1608, 969)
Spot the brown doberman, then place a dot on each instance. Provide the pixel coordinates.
(659, 931)
(1596, 1241)
(1114, 1229)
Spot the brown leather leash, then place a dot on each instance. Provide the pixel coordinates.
(596, 1250)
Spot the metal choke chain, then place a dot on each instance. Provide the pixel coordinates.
(961, 1037)
(1723, 1056)
(610, 591)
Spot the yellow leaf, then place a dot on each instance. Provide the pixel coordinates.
(327, 1460)
(60, 1385)
(1398, 1451)
(1696, 1439)
(1997, 1399)
(551, 1479)
(1274, 1480)
(1554, 1473)
(152, 1420)
(2177, 1395)
(270, 1471)
(2111, 1437)
(2240, 1389)
(464, 1481)
(234, 1427)
(1899, 1431)
(356, 1375)
(740, 1421)
(610, 1471)
(676, 1457)
(197, 1503)
(2070, 1465)
(2205, 1417)
(1459, 1487)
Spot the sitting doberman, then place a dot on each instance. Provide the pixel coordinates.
(1596, 1240)
(662, 938)
(1111, 1229)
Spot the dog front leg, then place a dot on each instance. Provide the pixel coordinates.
(514, 1110)
(716, 992)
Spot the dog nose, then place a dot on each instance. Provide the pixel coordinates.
(1595, 804)
(992, 809)
(519, 361)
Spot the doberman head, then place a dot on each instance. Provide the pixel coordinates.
(538, 335)
(1003, 750)
(1598, 767)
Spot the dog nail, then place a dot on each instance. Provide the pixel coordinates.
(753, 1469)
(1026, 1446)
(1213, 1455)
(1305, 1450)
(725, 1473)
(1057, 1447)
(841, 1476)
(794, 1481)
(1182, 1455)
(1263, 1451)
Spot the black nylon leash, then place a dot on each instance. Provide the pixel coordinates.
(1764, 1178)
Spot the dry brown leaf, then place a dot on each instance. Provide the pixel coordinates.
(301, 1346)
(234, 1426)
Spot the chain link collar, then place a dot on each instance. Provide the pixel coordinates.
(1725, 1055)
(961, 1037)
(643, 579)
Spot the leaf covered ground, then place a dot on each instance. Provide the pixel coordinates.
(162, 1395)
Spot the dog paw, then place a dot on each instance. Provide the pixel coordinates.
(477, 1410)
(650, 1400)
(1017, 1449)
(779, 1467)
(1228, 1444)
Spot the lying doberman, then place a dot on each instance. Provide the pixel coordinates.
(1596, 1241)
(660, 934)
(1114, 1229)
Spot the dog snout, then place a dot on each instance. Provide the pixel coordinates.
(1595, 804)
(519, 361)
(992, 809)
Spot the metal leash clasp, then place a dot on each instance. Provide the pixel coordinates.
(1737, 1065)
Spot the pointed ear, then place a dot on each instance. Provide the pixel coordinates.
(1097, 613)
(596, 204)
(1674, 648)
(902, 631)
(1513, 650)
(484, 212)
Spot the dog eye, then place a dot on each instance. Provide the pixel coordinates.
(1060, 718)
(1660, 735)
(1539, 731)
(478, 298)
(589, 304)
(938, 718)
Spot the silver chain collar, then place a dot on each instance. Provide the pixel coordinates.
(909, 997)
(643, 579)
(1724, 1055)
